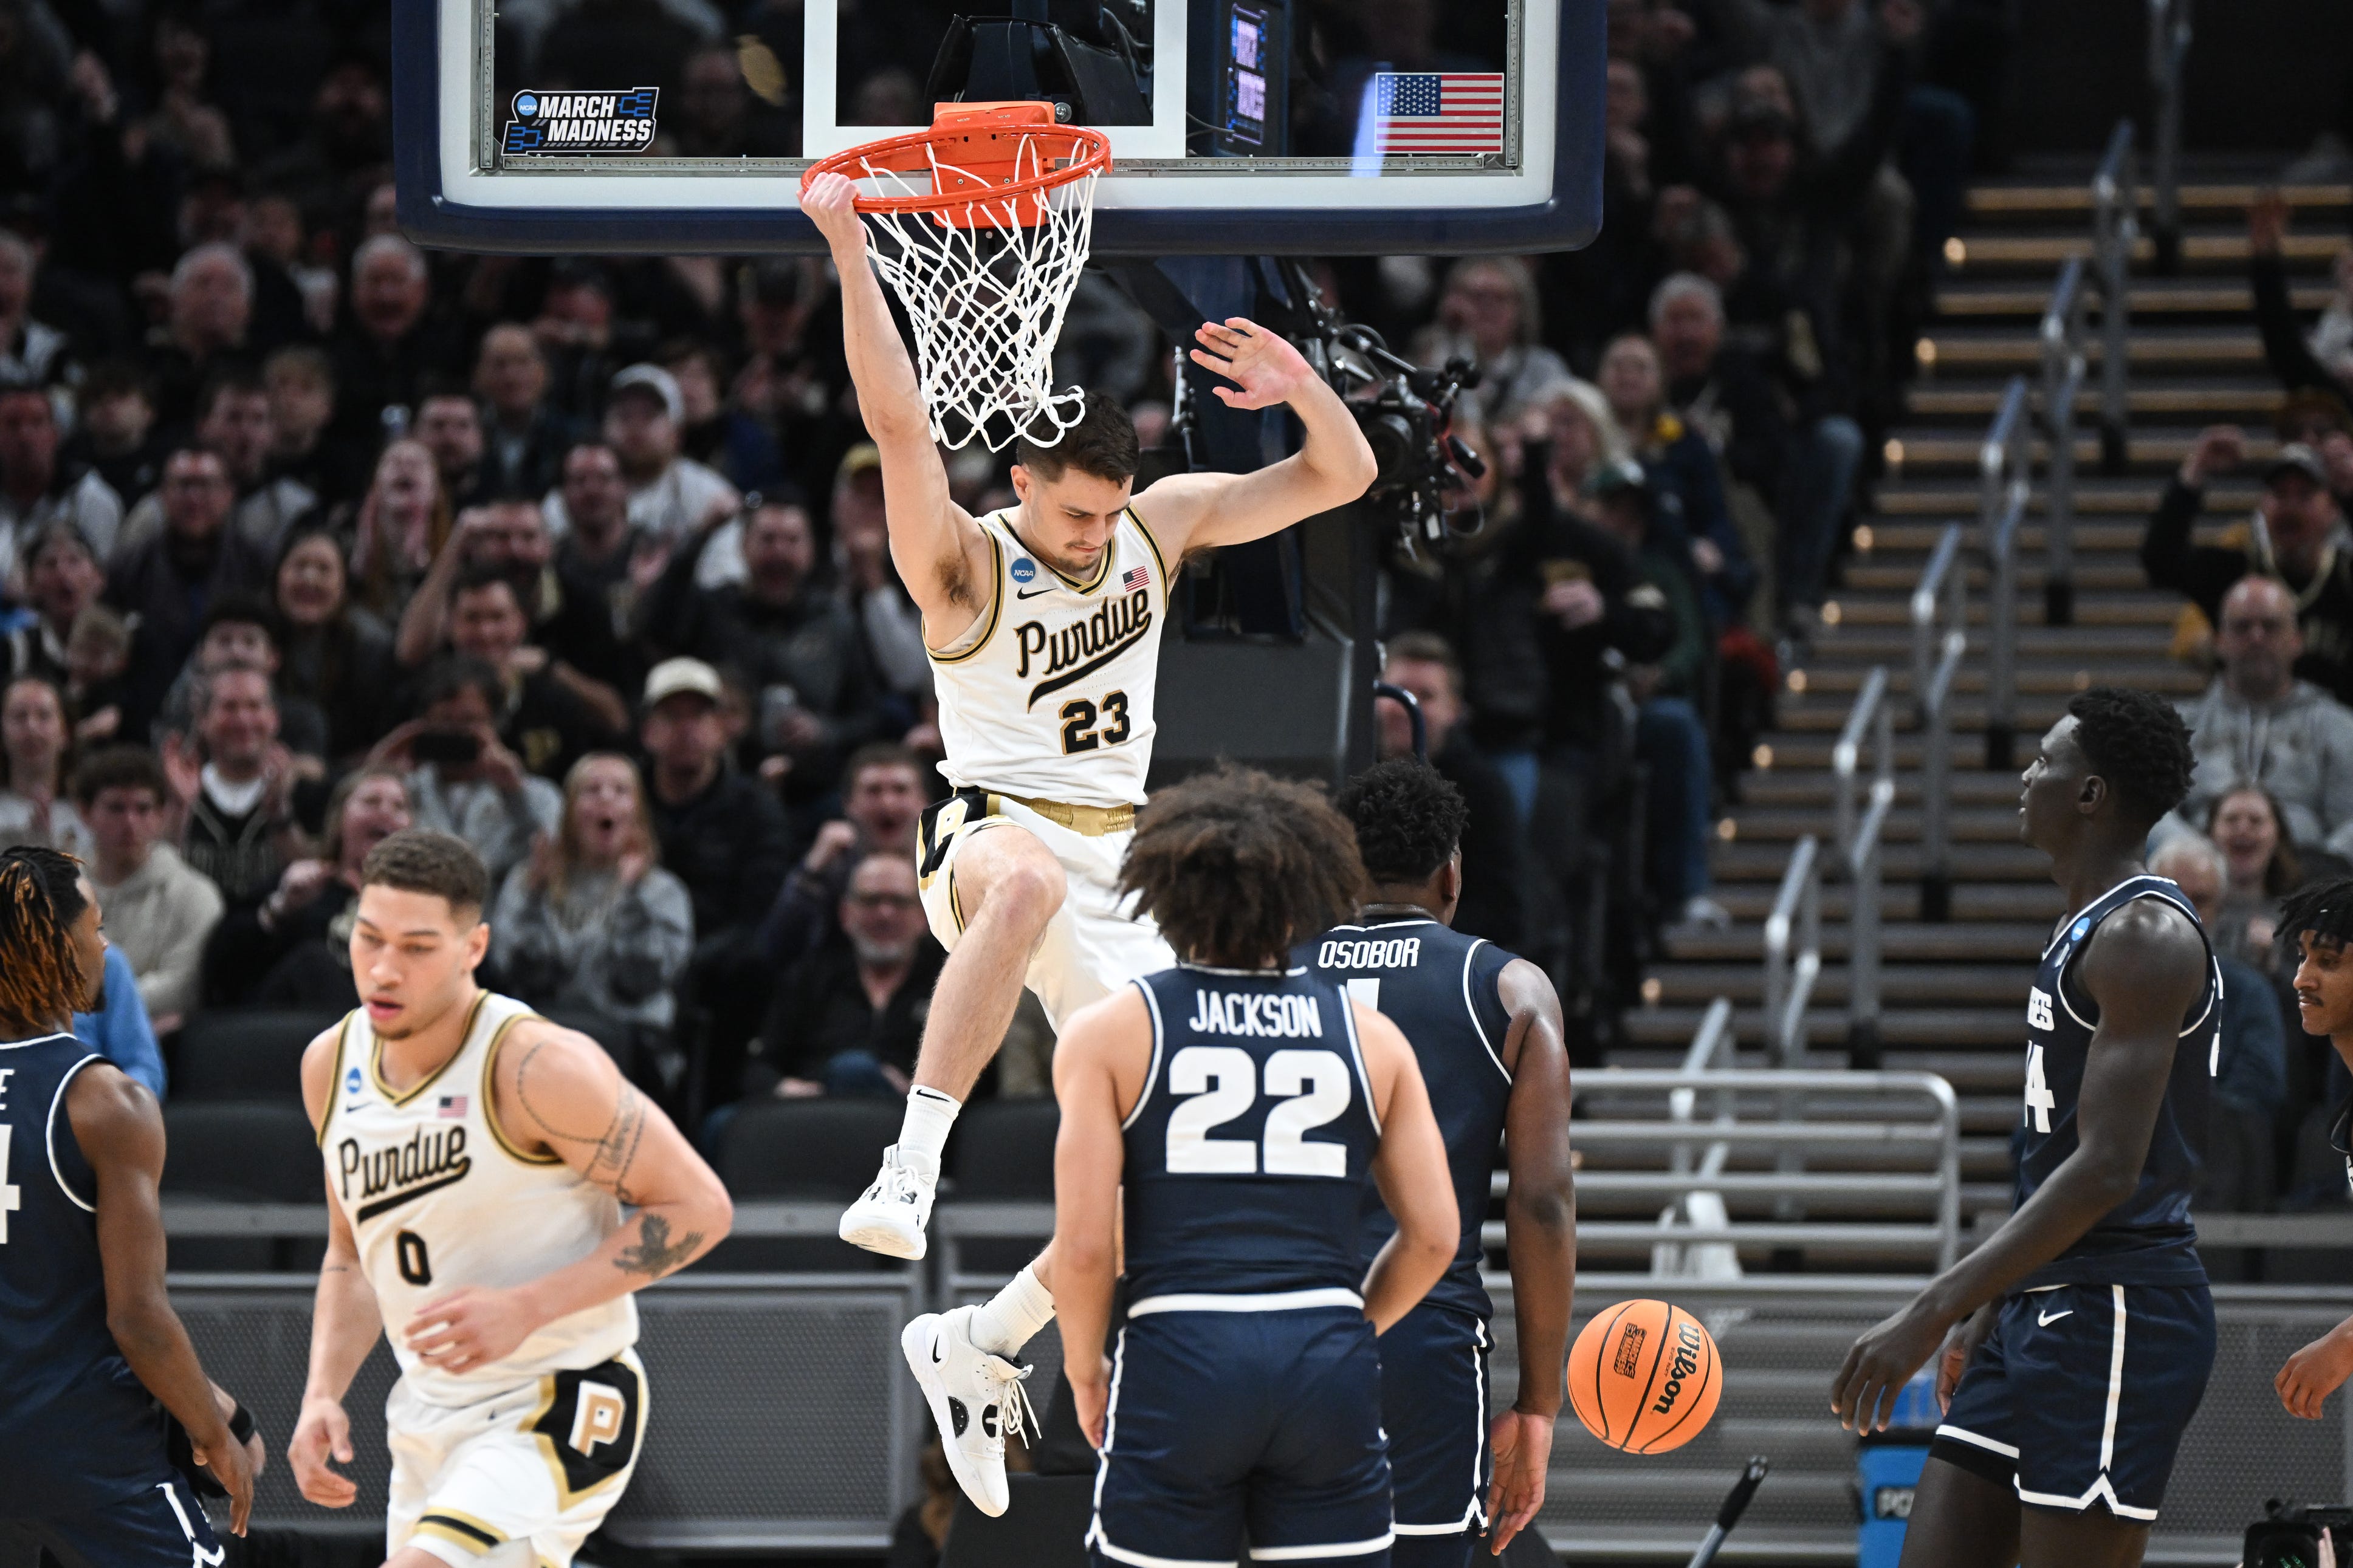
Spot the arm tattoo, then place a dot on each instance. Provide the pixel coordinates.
(616, 1146)
(653, 1254)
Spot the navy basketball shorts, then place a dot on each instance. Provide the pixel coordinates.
(1236, 1434)
(1434, 1391)
(2080, 1394)
(162, 1526)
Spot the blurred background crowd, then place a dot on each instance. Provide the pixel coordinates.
(307, 535)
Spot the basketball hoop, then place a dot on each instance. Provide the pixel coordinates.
(980, 225)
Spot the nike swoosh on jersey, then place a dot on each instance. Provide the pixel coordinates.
(1033, 593)
(2044, 1319)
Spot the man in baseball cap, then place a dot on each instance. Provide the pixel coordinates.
(671, 494)
(2297, 535)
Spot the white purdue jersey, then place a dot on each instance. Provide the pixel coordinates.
(1049, 694)
(436, 1198)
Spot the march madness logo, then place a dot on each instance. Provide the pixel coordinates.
(582, 122)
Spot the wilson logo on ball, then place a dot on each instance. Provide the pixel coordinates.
(1644, 1377)
(1690, 1336)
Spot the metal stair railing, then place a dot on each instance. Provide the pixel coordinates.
(1793, 953)
(1940, 637)
(2169, 51)
(1711, 1049)
(2004, 478)
(1896, 1150)
(2062, 386)
(1861, 822)
(2116, 226)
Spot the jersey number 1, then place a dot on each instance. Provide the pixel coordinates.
(1312, 1085)
(1080, 719)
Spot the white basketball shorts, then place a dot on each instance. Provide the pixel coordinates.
(1092, 947)
(520, 1479)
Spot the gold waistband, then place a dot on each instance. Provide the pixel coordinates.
(1093, 821)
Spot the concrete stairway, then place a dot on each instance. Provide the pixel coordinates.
(1954, 989)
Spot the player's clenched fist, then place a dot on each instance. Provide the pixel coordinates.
(829, 200)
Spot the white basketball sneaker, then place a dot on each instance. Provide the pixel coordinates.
(975, 1397)
(891, 1216)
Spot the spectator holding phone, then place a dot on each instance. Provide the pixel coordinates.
(461, 777)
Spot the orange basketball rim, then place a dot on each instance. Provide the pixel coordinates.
(989, 162)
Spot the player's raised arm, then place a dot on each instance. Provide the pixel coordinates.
(1540, 1233)
(1089, 1158)
(344, 1323)
(2145, 968)
(1410, 1168)
(119, 1129)
(942, 555)
(554, 1088)
(1333, 466)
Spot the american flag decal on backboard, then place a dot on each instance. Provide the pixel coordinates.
(1453, 112)
(1137, 578)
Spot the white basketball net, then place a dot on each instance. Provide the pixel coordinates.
(986, 301)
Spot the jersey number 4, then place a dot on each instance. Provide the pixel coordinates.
(1223, 1083)
(1086, 726)
(2039, 1101)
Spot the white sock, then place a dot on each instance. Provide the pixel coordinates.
(924, 1133)
(1003, 1324)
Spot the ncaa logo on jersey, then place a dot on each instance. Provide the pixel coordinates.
(2079, 928)
(1023, 569)
(351, 1086)
(2038, 1009)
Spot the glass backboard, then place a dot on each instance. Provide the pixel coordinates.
(1237, 126)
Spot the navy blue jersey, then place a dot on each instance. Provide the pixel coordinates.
(77, 1431)
(2148, 1239)
(1250, 1149)
(1440, 987)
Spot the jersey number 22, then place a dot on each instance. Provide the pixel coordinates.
(1223, 1083)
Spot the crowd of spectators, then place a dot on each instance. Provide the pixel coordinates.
(2268, 615)
(307, 535)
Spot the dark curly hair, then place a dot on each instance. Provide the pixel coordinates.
(1237, 866)
(1408, 819)
(2323, 909)
(2138, 743)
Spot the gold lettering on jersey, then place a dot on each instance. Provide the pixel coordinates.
(1254, 1013)
(388, 1177)
(1076, 651)
(597, 1417)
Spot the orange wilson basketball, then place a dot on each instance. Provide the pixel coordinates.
(1644, 1377)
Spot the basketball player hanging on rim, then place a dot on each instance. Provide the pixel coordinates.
(478, 1158)
(2076, 1342)
(1485, 1028)
(1043, 623)
(1238, 1110)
